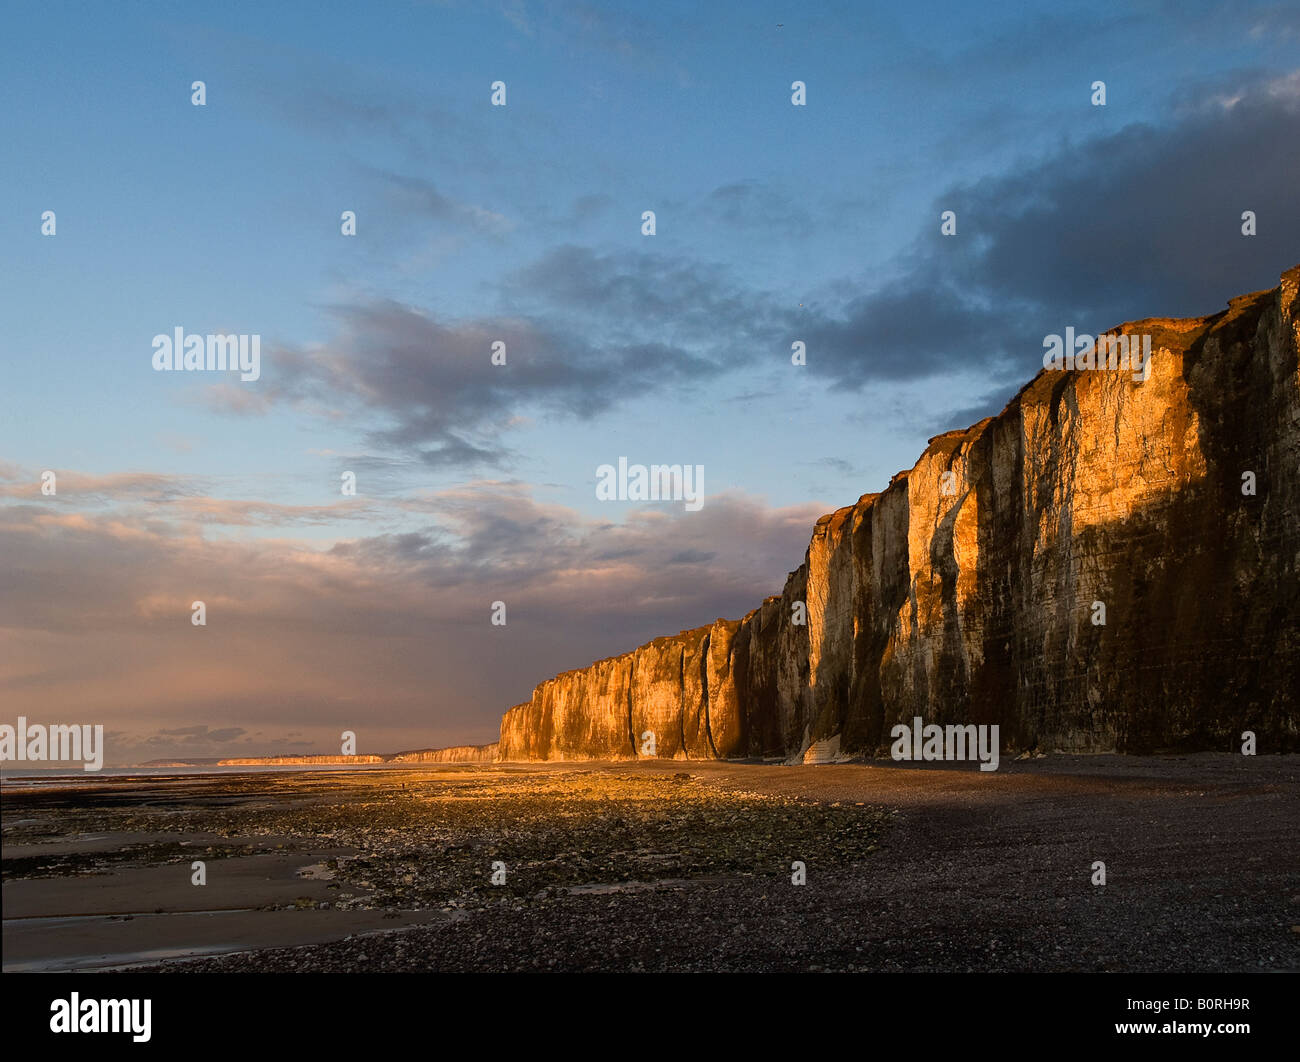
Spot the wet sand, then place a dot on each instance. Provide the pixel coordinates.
(144, 913)
(666, 866)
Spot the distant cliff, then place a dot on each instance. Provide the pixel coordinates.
(286, 761)
(967, 590)
(453, 754)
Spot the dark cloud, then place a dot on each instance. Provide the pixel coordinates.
(1140, 222)
(681, 299)
(600, 328)
(1145, 222)
(988, 405)
(123, 747)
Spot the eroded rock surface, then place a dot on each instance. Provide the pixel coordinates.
(966, 591)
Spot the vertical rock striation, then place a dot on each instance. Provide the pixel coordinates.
(966, 591)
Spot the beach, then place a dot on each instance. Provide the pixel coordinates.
(662, 866)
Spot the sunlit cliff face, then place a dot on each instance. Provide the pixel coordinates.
(1092, 569)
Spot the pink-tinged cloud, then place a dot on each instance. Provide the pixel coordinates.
(387, 635)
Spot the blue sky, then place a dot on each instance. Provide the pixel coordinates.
(774, 223)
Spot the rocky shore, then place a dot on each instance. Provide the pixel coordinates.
(652, 866)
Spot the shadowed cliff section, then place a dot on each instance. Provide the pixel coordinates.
(965, 592)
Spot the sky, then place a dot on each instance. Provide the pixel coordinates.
(522, 224)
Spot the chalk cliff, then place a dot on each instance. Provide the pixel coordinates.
(284, 761)
(968, 590)
(452, 754)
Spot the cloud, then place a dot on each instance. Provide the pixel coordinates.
(232, 512)
(672, 298)
(202, 733)
(1143, 222)
(387, 634)
(415, 196)
(84, 489)
(175, 500)
(196, 743)
(591, 330)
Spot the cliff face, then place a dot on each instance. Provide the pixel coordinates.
(682, 689)
(286, 761)
(968, 591)
(451, 754)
